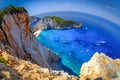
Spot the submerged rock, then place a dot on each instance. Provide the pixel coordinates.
(101, 67)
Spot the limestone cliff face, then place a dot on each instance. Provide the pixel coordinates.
(44, 24)
(33, 20)
(17, 39)
(101, 67)
(49, 23)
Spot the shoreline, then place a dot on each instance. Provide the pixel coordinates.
(36, 33)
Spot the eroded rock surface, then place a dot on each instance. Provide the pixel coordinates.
(101, 67)
(18, 69)
(25, 57)
(17, 39)
(47, 23)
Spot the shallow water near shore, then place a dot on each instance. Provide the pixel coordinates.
(76, 46)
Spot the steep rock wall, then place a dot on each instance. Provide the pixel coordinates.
(49, 23)
(17, 39)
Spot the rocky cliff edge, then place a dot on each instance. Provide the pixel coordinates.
(53, 22)
(101, 67)
(22, 57)
(17, 39)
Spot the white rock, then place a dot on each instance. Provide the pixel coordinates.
(100, 65)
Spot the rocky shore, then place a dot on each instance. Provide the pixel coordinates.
(20, 51)
(22, 57)
(51, 22)
(17, 39)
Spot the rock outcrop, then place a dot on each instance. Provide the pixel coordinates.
(33, 20)
(47, 23)
(17, 39)
(101, 67)
(22, 57)
(7, 73)
(18, 69)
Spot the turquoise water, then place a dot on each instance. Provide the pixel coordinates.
(76, 46)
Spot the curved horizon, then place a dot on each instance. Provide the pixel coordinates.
(77, 12)
(108, 9)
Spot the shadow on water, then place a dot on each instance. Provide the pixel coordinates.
(66, 69)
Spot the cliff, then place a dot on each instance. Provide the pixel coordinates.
(101, 67)
(17, 39)
(22, 57)
(53, 22)
(33, 20)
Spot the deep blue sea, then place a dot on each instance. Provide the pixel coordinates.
(76, 46)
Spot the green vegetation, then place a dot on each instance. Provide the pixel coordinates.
(1, 16)
(10, 9)
(2, 60)
(62, 22)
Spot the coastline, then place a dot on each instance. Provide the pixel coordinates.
(37, 33)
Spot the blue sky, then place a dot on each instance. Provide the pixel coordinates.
(109, 9)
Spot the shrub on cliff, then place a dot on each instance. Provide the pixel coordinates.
(2, 60)
(62, 22)
(10, 9)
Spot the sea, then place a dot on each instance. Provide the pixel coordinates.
(76, 46)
